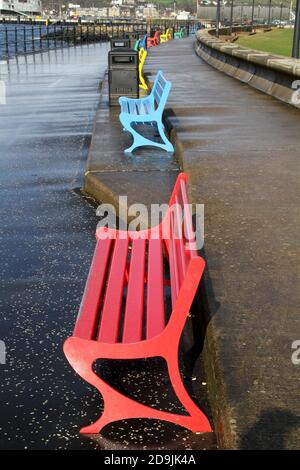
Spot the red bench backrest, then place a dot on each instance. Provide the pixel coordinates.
(177, 230)
(114, 272)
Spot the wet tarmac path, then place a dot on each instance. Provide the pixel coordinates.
(47, 239)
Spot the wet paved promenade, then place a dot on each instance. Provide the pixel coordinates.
(47, 237)
(241, 150)
(47, 240)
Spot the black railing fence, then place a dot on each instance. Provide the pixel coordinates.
(16, 39)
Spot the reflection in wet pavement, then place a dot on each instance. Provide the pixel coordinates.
(47, 239)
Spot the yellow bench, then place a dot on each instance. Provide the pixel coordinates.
(142, 58)
(166, 36)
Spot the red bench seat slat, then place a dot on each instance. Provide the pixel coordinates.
(133, 320)
(155, 290)
(110, 318)
(87, 319)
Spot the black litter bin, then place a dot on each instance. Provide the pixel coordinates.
(120, 43)
(132, 37)
(123, 75)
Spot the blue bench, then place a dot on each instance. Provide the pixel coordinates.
(148, 110)
(143, 43)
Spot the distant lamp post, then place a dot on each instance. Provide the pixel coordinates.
(231, 17)
(296, 41)
(281, 8)
(269, 17)
(252, 16)
(218, 18)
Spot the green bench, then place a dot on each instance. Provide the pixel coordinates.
(180, 34)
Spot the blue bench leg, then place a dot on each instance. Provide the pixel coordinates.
(138, 140)
(168, 146)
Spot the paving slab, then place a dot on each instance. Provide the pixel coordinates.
(241, 151)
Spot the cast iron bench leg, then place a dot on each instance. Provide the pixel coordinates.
(82, 354)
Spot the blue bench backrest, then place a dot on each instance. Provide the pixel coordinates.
(143, 42)
(160, 91)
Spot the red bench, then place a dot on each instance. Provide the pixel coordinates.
(153, 40)
(124, 262)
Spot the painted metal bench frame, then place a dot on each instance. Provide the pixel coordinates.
(166, 36)
(180, 34)
(153, 41)
(99, 332)
(148, 110)
(143, 42)
(140, 44)
(142, 58)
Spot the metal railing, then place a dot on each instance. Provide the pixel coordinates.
(16, 39)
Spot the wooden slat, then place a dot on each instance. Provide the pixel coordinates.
(188, 221)
(133, 319)
(160, 88)
(123, 109)
(179, 231)
(148, 107)
(145, 109)
(139, 108)
(110, 318)
(174, 276)
(155, 322)
(125, 106)
(161, 85)
(161, 80)
(159, 91)
(87, 320)
(132, 108)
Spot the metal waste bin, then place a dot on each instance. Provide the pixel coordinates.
(123, 75)
(132, 36)
(119, 43)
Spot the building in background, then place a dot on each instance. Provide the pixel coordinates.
(183, 15)
(129, 9)
(21, 7)
(150, 11)
(89, 13)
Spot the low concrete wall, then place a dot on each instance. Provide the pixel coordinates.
(274, 75)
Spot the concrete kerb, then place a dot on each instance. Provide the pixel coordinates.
(271, 74)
